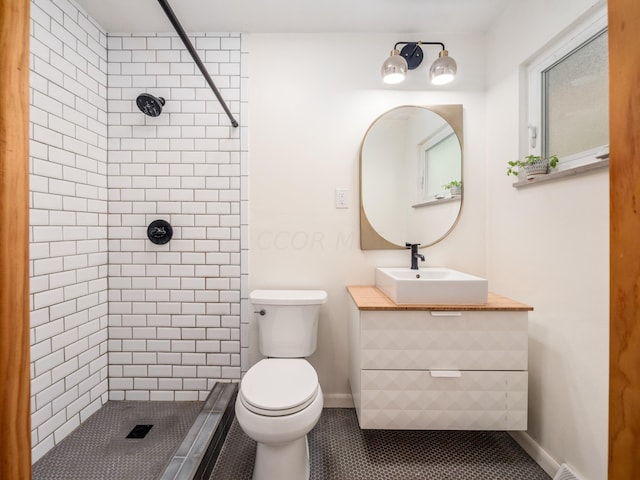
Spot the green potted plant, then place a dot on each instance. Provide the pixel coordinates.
(532, 165)
(454, 186)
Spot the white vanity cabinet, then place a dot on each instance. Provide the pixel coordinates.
(430, 368)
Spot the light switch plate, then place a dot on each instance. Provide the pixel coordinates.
(342, 195)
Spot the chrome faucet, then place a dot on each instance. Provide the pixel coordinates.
(414, 254)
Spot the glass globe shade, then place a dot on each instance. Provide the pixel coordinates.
(443, 70)
(394, 68)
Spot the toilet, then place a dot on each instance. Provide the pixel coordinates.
(280, 400)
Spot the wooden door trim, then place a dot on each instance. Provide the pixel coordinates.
(15, 421)
(624, 138)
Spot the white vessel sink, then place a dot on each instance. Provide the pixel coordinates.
(431, 285)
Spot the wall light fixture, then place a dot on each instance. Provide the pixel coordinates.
(394, 69)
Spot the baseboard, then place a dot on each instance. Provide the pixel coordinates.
(338, 400)
(535, 451)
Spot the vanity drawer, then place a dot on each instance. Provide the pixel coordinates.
(419, 340)
(443, 400)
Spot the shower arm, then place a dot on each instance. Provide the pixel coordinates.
(187, 43)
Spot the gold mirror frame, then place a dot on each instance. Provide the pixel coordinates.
(370, 239)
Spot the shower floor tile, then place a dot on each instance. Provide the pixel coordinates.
(341, 451)
(99, 449)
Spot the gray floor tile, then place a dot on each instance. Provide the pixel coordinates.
(99, 449)
(341, 451)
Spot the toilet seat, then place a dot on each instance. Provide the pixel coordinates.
(279, 386)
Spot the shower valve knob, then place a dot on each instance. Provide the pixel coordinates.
(159, 232)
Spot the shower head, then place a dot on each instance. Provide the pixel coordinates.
(150, 105)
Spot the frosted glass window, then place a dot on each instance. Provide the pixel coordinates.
(568, 90)
(575, 100)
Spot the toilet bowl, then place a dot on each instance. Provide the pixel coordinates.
(280, 399)
(279, 402)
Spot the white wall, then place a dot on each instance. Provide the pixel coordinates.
(174, 309)
(547, 246)
(308, 118)
(112, 314)
(68, 220)
(312, 99)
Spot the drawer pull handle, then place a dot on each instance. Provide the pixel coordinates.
(446, 314)
(445, 373)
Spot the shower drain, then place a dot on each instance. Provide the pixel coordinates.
(139, 431)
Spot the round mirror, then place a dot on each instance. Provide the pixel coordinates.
(411, 176)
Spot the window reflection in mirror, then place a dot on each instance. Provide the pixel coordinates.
(407, 156)
(438, 164)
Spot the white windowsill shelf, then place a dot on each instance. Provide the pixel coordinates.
(569, 172)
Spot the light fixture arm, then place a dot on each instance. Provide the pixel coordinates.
(412, 52)
(420, 43)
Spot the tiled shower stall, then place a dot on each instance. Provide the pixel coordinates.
(113, 315)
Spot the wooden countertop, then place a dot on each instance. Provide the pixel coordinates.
(368, 297)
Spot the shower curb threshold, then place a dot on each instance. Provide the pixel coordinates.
(197, 454)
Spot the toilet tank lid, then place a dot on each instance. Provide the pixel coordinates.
(288, 297)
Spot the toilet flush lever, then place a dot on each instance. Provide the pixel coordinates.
(262, 312)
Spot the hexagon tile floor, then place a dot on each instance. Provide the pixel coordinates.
(341, 451)
(99, 449)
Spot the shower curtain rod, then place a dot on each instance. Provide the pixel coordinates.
(187, 43)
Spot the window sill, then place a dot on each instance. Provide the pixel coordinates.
(569, 172)
(438, 201)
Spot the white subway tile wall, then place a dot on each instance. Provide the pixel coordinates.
(174, 309)
(68, 220)
(113, 315)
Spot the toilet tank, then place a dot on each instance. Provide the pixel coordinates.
(287, 321)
